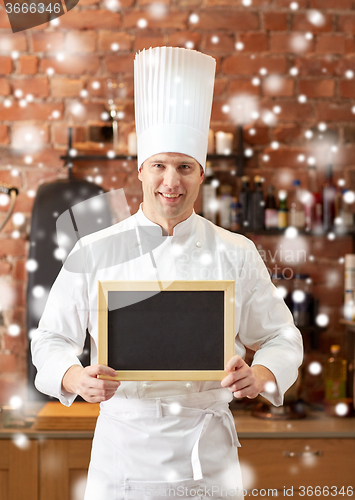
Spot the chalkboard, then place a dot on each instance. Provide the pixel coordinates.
(182, 330)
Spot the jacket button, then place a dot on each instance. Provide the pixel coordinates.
(198, 244)
(145, 386)
(188, 385)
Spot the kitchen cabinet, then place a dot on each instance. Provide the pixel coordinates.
(275, 456)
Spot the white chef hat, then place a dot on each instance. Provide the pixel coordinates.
(173, 91)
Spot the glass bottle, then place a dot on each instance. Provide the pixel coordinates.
(245, 201)
(258, 204)
(335, 375)
(271, 215)
(302, 304)
(313, 205)
(297, 213)
(283, 210)
(225, 200)
(329, 194)
(236, 215)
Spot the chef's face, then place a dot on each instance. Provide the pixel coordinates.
(170, 183)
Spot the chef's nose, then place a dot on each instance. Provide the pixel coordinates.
(171, 178)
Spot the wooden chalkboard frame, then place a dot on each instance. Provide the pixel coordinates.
(227, 286)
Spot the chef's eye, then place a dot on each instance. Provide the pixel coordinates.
(185, 167)
(158, 165)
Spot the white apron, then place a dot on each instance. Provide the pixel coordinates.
(169, 447)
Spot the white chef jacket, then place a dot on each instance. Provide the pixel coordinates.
(197, 250)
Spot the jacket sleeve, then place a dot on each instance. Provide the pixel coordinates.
(61, 333)
(266, 326)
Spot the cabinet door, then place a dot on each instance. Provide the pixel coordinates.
(288, 465)
(18, 470)
(63, 468)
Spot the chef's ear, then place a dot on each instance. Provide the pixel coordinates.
(202, 174)
(140, 172)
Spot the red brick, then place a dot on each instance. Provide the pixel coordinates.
(171, 20)
(345, 157)
(275, 21)
(333, 44)
(128, 3)
(287, 132)
(33, 111)
(254, 42)
(5, 268)
(344, 64)
(5, 88)
(219, 20)
(47, 42)
(15, 41)
(8, 363)
(243, 87)
(13, 247)
(245, 65)
(60, 136)
(347, 88)
(66, 87)
(317, 88)
(80, 42)
(315, 66)
(285, 157)
(302, 4)
(330, 4)
(5, 65)
(74, 65)
(349, 45)
(346, 22)
(234, 3)
(8, 178)
(324, 248)
(27, 65)
(20, 136)
(89, 2)
(38, 86)
(107, 38)
(261, 135)
(4, 135)
(20, 272)
(285, 42)
(293, 112)
(119, 63)
(90, 20)
(332, 112)
(300, 22)
(225, 43)
(274, 85)
(78, 111)
(146, 41)
(38, 176)
(180, 3)
(181, 38)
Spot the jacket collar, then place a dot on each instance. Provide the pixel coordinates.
(182, 228)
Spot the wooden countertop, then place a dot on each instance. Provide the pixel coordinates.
(315, 425)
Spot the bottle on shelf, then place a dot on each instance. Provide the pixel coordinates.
(349, 306)
(236, 215)
(329, 194)
(313, 203)
(257, 204)
(225, 200)
(209, 194)
(271, 212)
(335, 376)
(245, 199)
(344, 219)
(297, 212)
(283, 210)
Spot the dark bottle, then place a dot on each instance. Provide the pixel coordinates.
(258, 205)
(329, 194)
(313, 204)
(245, 200)
(271, 212)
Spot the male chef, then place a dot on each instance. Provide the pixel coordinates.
(161, 439)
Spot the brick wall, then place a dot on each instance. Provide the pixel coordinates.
(304, 51)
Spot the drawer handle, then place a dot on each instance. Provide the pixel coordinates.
(302, 454)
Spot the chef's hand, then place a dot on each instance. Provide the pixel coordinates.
(246, 381)
(84, 381)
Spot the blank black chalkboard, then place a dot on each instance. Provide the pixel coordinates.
(181, 332)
